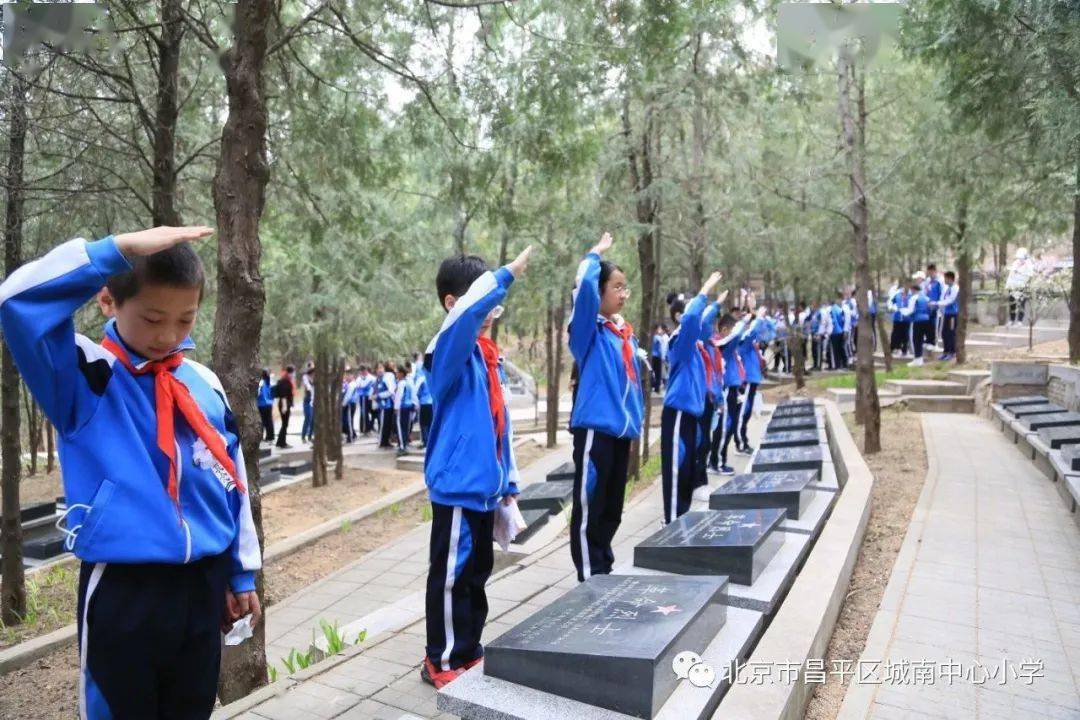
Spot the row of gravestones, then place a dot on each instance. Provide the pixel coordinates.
(1057, 428)
(700, 592)
(43, 541)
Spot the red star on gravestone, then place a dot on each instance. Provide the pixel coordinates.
(666, 610)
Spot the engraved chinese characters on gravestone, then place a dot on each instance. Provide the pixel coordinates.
(785, 411)
(790, 438)
(801, 422)
(789, 490)
(737, 543)
(790, 458)
(611, 640)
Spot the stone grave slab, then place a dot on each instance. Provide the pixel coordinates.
(796, 402)
(478, 696)
(36, 511)
(1041, 409)
(790, 438)
(785, 411)
(611, 640)
(265, 452)
(551, 496)
(269, 478)
(563, 472)
(736, 543)
(295, 469)
(780, 489)
(1023, 400)
(1058, 437)
(1049, 420)
(45, 546)
(1071, 455)
(534, 520)
(805, 422)
(813, 518)
(792, 458)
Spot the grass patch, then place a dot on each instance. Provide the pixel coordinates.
(50, 604)
(933, 371)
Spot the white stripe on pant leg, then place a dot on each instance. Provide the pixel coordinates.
(91, 585)
(675, 465)
(586, 566)
(448, 588)
(400, 432)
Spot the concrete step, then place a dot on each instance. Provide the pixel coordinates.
(940, 403)
(968, 378)
(845, 398)
(1041, 333)
(926, 387)
(997, 338)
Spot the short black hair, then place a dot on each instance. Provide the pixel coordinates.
(931, 266)
(676, 305)
(606, 269)
(457, 273)
(950, 275)
(179, 267)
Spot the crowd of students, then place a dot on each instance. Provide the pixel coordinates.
(167, 565)
(390, 400)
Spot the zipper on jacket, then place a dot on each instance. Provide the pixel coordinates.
(179, 503)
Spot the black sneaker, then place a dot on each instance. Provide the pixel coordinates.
(727, 470)
(745, 450)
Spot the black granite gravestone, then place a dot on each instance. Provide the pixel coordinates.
(1058, 437)
(45, 546)
(737, 543)
(563, 472)
(793, 411)
(795, 402)
(295, 469)
(36, 511)
(789, 458)
(551, 496)
(1050, 420)
(804, 422)
(1071, 455)
(1041, 409)
(790, 491)
(265, 452)
(534, 520)
(611, 640)
(790, 438)
(269, 478)
(1023, 400)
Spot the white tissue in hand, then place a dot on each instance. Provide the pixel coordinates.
(241, 631)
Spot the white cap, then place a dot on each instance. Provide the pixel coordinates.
(920, 275)
(1021, 253)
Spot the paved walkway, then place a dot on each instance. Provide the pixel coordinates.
(383, 594)
(986, 590)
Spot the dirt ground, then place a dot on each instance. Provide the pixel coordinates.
(899, 471)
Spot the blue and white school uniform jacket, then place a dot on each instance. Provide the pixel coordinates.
(729, 349)
(611, 403)
(404, 397)
(461, 466)
(657, 346)
(686, 376)
(423, 389)
(898, 301)
(364, 386)
(265, 398)
(917, 308)
(949, 304)
(932, 289)
(747, 349)
(119, 510)
(708, 327)
(836, 319)
(385, 387)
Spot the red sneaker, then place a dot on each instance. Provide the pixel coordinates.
(438, 678)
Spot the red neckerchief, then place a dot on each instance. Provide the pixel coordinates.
(706, 357)
(171, 395)
(490, 351)
(626, 332)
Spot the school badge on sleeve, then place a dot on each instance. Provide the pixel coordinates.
(203, 458)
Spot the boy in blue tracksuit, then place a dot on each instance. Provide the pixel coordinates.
(404, 405)
(949, 307)
(837, 325)
(684, 401)
(932, 289)
(898, 340)
(348, 406)
(469, 465)
(158, 509)
(265, 403)
(751, 360)
(383, 397)
(607, 416)
(365, 382)
(423, 399)
(734, 377)
(713, 387)
(917, 311)
(656, 356)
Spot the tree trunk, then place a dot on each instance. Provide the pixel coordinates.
(853, 122)
(239, 191)
(319, 477)
(963, 271)
(798, 355)
(554, 336)
(509, 188)
(884, 341)
(336, 378)
(33, 435)
(1074, 292)
(697, 182)
(640, 162)
(164, 189)
(50, 449)
(12, 578)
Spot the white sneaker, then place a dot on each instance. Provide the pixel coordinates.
(917, 362)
